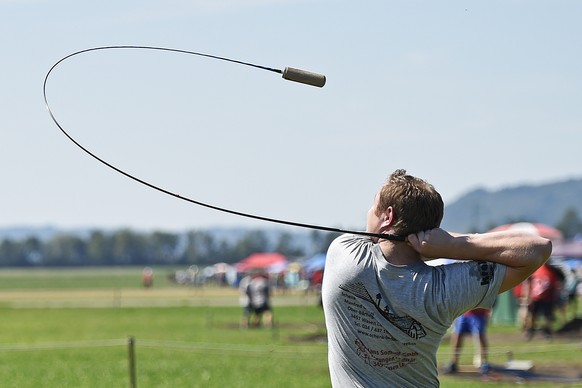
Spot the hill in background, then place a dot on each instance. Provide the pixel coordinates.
(477, 211)
(480, 210)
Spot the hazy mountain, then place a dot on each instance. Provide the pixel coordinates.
(479, 210)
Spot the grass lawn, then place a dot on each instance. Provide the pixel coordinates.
(175, 347)
(68, 329)
(79, 278)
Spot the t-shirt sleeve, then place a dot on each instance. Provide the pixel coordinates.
(472, 284)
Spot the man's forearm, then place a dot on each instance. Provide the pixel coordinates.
(521, 252)
(512, 248)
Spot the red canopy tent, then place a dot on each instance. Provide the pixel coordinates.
(266, 261)
(543, 230)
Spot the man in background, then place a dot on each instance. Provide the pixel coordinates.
(474, 323)
(259, 295)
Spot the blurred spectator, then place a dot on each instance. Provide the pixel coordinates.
(259, 295)
(244, 301)
(543, 292)
(315, 285)
(316, 280)
(147, 277)
(572, 282)
(281, 285)
(521, 295)
(473, 322)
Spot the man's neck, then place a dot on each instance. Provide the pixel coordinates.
(399, 253)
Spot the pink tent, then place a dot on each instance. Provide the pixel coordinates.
(266, 261)
(572, 248)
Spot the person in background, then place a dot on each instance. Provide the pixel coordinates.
(569, 296)
(572, 284)
(259, 295)
(148, 277)
(473, 322)
(543, 293)
(521, 296)
(244, 301)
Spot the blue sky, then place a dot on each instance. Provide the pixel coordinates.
(465, 94)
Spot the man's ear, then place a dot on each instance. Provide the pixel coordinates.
(387, 217)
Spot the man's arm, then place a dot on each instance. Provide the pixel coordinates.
(522, 252)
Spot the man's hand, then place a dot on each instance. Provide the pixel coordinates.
(521, 251)
(433, 243)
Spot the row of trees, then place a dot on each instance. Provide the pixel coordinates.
(570, 225)
(127, 247)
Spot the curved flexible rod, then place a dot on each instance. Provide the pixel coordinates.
(289, 73)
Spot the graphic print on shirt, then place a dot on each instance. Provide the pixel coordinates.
(486, 272)
(408, 325)
(387, 359)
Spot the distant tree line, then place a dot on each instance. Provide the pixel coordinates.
(570, 225)
(127, 247)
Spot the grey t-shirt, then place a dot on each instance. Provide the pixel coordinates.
(258, 292)
(385, 322)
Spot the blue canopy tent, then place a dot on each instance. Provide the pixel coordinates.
(314, 263)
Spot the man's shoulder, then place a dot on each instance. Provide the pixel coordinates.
(347, 243)
(351, 239)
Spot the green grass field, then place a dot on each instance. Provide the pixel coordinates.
(70, 328)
